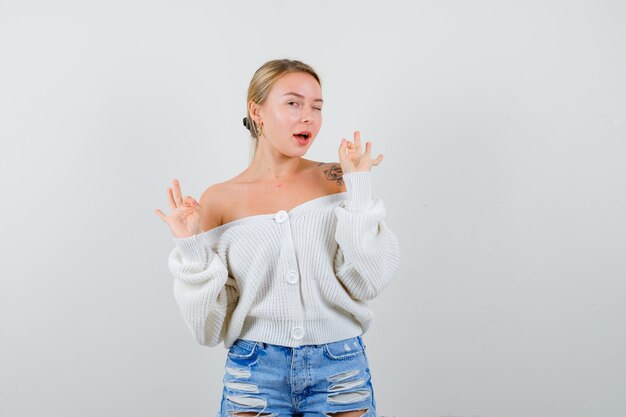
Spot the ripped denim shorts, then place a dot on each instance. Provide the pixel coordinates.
(309, 380)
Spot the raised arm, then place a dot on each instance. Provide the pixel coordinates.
(203, 290)
(368, 254)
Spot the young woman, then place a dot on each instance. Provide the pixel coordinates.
(279, 262)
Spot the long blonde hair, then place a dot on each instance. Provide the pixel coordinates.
(262, 82)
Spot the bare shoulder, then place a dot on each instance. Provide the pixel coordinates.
(332, 171)
(211, 206)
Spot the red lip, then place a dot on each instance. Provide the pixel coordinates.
(304, 132)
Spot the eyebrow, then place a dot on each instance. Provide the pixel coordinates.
(291, 93)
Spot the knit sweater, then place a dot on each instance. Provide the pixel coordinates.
(290, 278)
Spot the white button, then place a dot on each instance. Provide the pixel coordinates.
(281, 216)
(291, 277)
(297, 332)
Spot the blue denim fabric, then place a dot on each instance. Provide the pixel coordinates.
(304, 381)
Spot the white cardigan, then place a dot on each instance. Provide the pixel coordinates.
(289, 278)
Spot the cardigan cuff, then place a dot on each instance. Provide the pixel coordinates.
(359, 189)
(192, 248)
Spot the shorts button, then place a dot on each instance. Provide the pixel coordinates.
(291, 277)
(281, 216)
(297, 332)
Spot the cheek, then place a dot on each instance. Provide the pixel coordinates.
(285, 116)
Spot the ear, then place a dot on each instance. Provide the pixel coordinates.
(255, 111)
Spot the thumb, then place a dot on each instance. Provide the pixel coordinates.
(342, 148)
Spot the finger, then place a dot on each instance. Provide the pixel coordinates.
(161, 215)
(190, 202)
(379, 159)
(170, 197)
(357, 141)
(342, 149)
(368, 149)
(177, 194)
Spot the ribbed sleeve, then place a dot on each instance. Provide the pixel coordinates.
(368, 254)
(202, 288)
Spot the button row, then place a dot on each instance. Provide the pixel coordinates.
(291, 276)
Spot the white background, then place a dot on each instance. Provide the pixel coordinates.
(503, 126)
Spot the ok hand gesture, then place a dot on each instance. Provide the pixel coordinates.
(351, 158)
(185, 218)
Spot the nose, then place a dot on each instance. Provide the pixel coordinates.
(307, 116)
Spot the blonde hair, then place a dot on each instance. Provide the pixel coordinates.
(262, 82)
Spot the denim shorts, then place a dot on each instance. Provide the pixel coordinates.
(304, 381)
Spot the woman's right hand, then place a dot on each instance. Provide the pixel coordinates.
(185, 218)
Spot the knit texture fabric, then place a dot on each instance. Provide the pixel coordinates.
(289, 278)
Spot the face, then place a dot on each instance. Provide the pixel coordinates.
(292, 113)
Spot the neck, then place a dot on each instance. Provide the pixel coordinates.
(270, 165)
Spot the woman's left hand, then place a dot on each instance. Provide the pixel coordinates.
(351, 158)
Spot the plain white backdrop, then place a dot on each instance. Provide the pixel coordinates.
(503, 126)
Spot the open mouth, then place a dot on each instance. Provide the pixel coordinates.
(303, 135)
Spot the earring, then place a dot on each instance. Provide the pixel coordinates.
(259, 131)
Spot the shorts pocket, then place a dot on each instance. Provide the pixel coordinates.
(344, 349)
(242, 349)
